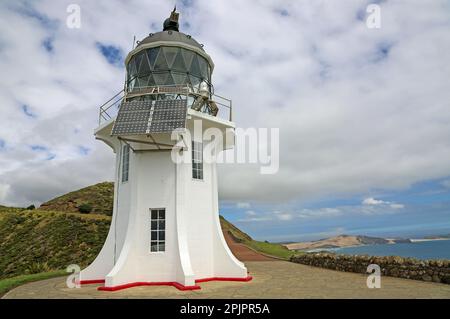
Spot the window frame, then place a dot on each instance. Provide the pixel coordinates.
(158, 219)
(197, 161)
(125, 172)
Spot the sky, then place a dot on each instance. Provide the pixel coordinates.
(363, 113)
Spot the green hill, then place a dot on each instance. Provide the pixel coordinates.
(237, 234)
(99, 198)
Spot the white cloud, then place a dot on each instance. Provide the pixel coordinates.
(370, 201)
(350, 120)
(250, 213)
(254, 219)
(285, 216)
(243, 205)
(373, 201)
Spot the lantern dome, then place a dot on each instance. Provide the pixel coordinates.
(168, 58)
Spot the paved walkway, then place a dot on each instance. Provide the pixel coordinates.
(272, 279)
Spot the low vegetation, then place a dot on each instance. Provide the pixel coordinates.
(36, 241)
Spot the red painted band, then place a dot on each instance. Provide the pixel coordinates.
(168, 283)
(248, 278)
(93, 281)
(137, 284)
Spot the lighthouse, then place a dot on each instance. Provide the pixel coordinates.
(165, 227)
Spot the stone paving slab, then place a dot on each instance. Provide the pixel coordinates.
(272, 279)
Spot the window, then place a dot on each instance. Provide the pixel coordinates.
(125, 163)
(197, 160)
(158, 230)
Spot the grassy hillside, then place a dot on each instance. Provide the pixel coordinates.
(98, 197)
(276, 250)
(41, 241)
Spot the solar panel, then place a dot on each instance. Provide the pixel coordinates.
(130, 128)
(146, 117)
(136, 106)
(168, 115)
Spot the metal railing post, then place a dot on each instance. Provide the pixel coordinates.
(231, 111)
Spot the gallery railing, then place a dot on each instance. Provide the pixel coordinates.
(110, 108)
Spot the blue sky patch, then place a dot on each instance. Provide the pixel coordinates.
(282, 12)
(382, 52)
(27, 10)
(111, 53)
(83, 150)
(48, 44)
(187, 3)
(38, 148)
(27, 111)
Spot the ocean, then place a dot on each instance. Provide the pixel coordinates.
(436, 249)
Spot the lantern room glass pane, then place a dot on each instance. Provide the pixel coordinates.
(161, 63)
(170, 53)
(195, 67)
(152, 54)
(169, 80)
(138, 60)
(188, 56)
(131, 85)
(195, 81)
(160, 78)
(142, 81)
(178, 64)
(203, 67)
(144, 68)
(151, 81)
(179, 79)
(132, 68)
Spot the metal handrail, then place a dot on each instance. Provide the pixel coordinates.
(186, 90)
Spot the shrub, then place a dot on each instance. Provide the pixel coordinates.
(31, 207)
(37, 267)
(85, 208)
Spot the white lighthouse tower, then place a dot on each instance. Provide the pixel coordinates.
(165, 226)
